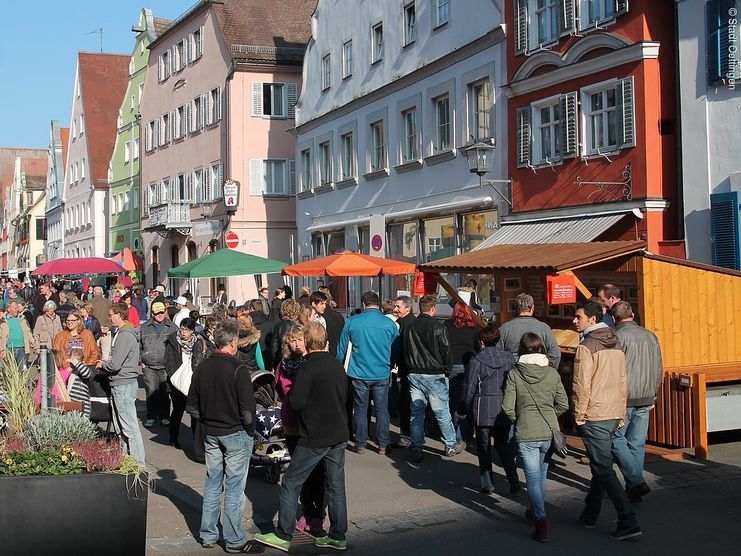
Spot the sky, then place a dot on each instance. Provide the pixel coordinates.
(38, 55)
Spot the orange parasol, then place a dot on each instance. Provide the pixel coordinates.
(127, 259)
(349, 263)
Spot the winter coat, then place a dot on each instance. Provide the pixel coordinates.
(600, 382)
(374, 345)
(533, 382)
(483, 388)
(153, 344)
(249, 350)
(464, 343)
(511, 333)
(46, 329)
(642, 363)
(335, 323)
(427, 346)
(174, 353)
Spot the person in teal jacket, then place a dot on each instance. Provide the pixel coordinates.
(373, 344)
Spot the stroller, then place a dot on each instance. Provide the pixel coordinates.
(270, 450)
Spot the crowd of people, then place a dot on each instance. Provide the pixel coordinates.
(459, 378)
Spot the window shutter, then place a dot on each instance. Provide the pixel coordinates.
(626, 113)
(207, 184)
(156, 133)
(218, 104)
(291, 98)
(219, 189)
(200, 42)
(191, 120)
(569, 125)
(257, 185)
(171, 124)
(256, 99)
(567, 17)
(184, 61)
(520, 26)
(291, 177)
(202, 112)
(191, 47)
(621, 7)
(160, 69)
(523, 136)
(724, 229)
(184, 123)
(197, 191)
(207, 107)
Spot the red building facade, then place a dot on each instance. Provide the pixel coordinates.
(592, 116)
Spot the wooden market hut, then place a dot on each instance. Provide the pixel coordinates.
(693, 308)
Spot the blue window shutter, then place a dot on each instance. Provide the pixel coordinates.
(724, 229)
(718, 35)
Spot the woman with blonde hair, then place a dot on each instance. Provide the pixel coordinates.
(290, 310)
(74, 336)
(249, 343)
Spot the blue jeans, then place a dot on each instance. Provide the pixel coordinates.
(597, 436)
(435, 389)
(532, 455)
(629, 445)
(227, 462)
(125, 421)
(378, 390)
(303, 462)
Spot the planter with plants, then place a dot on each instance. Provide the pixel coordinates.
(64, 489)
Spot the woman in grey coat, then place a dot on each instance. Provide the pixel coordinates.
(47, 325)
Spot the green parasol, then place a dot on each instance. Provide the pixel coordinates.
(225, 262)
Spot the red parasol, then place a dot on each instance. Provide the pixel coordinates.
(73, 267)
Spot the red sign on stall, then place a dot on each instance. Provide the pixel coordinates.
(424, 283)
(561, 289)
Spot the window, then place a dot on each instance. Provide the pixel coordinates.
(306, 170)
(723, 67)
(196, 115)
(273, 100)
(180, 193)
(347, 59)
(593, 12)
(409, 150)
(126, 203)
(410, 23)
(149, 136)
(547, 125)
(480, 108)
(165, 129)
(216, 181)
(543, 22)
(377, 43)
(325, 163)
(82, 124)
(132, 103)
(135, 198)
(275, 177)
(442, 12)
(164, 65)
(601, 119)
(181, 122)
(180, 56)
(127, 151)
(74, 128)
(82, 169)
(213, 106)
(196, 182)
(41, 228)
(141, 91)
(378, 147)
(326, 72)
(272, 177)
(136, 148)
(348, 156)
(196, 44)
(442, 123)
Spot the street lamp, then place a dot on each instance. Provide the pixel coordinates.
(480, 158)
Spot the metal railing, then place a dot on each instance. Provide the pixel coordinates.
(173, 214)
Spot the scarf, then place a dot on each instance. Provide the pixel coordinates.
(290, 366)
(186, 346)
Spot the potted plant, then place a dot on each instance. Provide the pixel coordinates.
(64, 489)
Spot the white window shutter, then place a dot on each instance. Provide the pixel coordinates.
(567, 17)
(200, 40)
(219, 190)
(184, 61)
(520, 26)
(621, 7)
(156, 134)
(207, 184)
(197, 191)
(207, 107)
(523, 118)
(291, 177)
(218, 104)
(191, 120)
(171, 121)
(191, 48)
(626, 112)
(257, 183)
(184, 124)
(569, 125)
(291, 98)
(160, 69)
(201, 113)
(256, 99)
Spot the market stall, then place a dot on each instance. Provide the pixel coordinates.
(694, 309)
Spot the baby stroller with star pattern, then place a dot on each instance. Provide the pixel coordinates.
(270, 450)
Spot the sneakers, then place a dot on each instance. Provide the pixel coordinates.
(329, 542)
(416, 454)
(586, 523)
(149, 423)
(273, 540)
(455, 449)
(622, 533)
(247, 548)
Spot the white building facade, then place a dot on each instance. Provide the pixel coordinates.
(710, 98)
(54, 188)
(393, 94)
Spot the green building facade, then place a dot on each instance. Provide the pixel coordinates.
(124, 170)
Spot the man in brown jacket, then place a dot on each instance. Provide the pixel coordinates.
(600, 397)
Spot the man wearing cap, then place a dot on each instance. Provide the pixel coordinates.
(181, 303)
(154, 333)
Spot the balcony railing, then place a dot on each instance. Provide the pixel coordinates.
(174, 214)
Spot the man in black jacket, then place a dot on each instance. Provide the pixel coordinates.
(405, 317)
(222, 398)
(318, 394)
(427, 358)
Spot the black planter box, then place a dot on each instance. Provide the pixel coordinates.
(93, 513)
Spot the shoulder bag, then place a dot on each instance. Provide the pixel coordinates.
(558, 439)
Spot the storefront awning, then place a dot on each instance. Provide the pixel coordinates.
(577, 229)
(552, 257)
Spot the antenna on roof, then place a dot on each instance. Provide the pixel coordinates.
(99, 30)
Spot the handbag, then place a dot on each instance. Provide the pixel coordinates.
(558, 439)
(181, 378)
